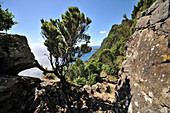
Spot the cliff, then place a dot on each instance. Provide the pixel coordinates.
(15, 54)
(109, 41)
(144, 84)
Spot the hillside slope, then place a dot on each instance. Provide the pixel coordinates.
(111, 53)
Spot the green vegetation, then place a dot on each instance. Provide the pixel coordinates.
(111, 53)
(6, 19)
(81, 73)
(48, 75)
(62, 38)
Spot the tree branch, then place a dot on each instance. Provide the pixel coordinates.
(41, 68)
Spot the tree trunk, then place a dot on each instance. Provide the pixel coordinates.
(65, 86)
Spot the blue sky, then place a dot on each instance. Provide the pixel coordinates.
(103, 13)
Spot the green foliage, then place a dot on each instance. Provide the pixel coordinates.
(48, 75)
(111, 53)
(92, 79)
(62, 38)
(80, 81)
(93, 67)
(105, 57)
(6, 19)
(110, 69)
(82, 74)
(108, 42)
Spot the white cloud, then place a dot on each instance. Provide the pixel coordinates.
(37, 45)
(102, 32)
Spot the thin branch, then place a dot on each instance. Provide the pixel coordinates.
(51, 61)
(41, 68)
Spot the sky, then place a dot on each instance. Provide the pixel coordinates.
(103, 13)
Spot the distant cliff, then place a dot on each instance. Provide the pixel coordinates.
(112, 51)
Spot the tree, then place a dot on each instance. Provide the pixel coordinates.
(6, 20)
(62, 38)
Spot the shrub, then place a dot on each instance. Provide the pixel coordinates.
(80, 81)
(49, 76)
(92, 79)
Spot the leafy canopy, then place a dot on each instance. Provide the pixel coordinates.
(6, 21)
(62, 38)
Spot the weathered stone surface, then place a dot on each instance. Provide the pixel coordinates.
(148, 71)
(141, 14)
(166, 26)
(143, 22)
(147, 65)
(160, 13)
(100, 87)
(155, 5)
(15, 54)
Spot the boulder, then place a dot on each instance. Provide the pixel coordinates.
(94, 88)
(100, 87)
(87, 88)
(15, 54)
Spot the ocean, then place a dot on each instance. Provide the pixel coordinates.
(41, 56)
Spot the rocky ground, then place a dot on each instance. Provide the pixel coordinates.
(40, 95)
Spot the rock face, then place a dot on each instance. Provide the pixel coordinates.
(147, 63)
(15, 54)
(17, 93)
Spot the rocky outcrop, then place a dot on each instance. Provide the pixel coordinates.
(17, 93)
(147, 63)
(30, 95)
(15, 54)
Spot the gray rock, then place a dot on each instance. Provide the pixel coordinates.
(15, 54)
(166, 26)
(94, 87)
(143, 22)
(87, 88)
(158, 25)
(155, 5)
(141, 14)
(161, 13)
